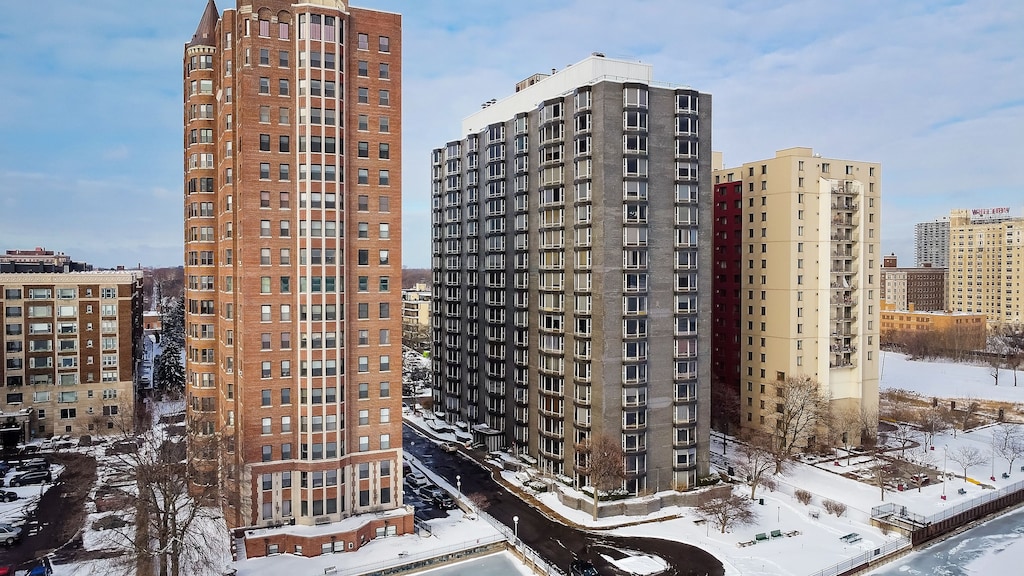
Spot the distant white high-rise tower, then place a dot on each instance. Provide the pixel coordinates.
(931, 243)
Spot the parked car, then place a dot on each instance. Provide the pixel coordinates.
(4, 468)
(444, 502)
(431, 493)
(35, 477)
(8, 533)
(32, 464)
(583, 568)
(6, 570)
(416, 480)
(8, 496)
(449, 447)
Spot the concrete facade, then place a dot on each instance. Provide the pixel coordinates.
(571, 263)
(292, 149)
(931, 243)
(810, 279)
(982, 275)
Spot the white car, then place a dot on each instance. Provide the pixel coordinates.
(416, 480)
(8, 534)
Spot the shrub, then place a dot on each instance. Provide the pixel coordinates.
(803, 496)
(708, 481)
(833, 507)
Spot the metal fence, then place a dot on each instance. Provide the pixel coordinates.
(864, 558)
(529, 555)
(404, 561)
(976, 502)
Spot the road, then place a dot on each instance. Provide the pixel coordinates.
(557, 543)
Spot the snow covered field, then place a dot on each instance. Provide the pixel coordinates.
(948, 380)
(991, 548)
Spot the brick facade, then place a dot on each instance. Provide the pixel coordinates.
(293, 267)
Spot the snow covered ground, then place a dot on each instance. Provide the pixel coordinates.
(933, 378)
(816, 544)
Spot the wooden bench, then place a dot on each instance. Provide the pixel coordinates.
(792, 533)
(776, 534)
(961, 492)
(762, 537)
(814, 513)
(850, 538)
(745, 543)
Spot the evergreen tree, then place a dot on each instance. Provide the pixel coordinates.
(173, 323)
(168, 372)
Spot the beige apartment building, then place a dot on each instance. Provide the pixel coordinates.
(984, 245)
(416, 307)
(69, 345)
(809, 279)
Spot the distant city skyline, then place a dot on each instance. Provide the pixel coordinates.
(90, 160)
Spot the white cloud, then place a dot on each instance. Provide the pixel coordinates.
(932, 90)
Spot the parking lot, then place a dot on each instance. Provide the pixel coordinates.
(427, 507)
(49, 513)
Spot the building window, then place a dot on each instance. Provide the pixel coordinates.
(362, 42)
(384, 44)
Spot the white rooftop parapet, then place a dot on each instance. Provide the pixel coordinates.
(588, 71)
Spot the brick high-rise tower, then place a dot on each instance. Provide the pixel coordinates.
(292, 150)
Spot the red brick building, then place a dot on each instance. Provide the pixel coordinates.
(725, 345)
(292, 161)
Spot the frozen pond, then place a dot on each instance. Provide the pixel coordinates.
(996, 547)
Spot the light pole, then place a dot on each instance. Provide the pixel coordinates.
(515, 526)
(993, 458)
(945, 451)
(458, 483)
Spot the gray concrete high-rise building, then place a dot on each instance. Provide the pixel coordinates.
(571, 280)
(931, 243)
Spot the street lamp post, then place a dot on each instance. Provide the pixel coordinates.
(458, 483)
(945, 479)
(515, 526)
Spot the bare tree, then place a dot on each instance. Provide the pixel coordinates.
(606, 464)
(166, 538)
(970, 409)
(844, 424)
(931, 423)
(758, 459)
(869, 427)
(967, 456)
(728, 511)
(904, 434)
(801, 407)
(1008, 443)
(994, 367)
(881, 468)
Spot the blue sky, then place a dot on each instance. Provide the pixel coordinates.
(90, 122)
